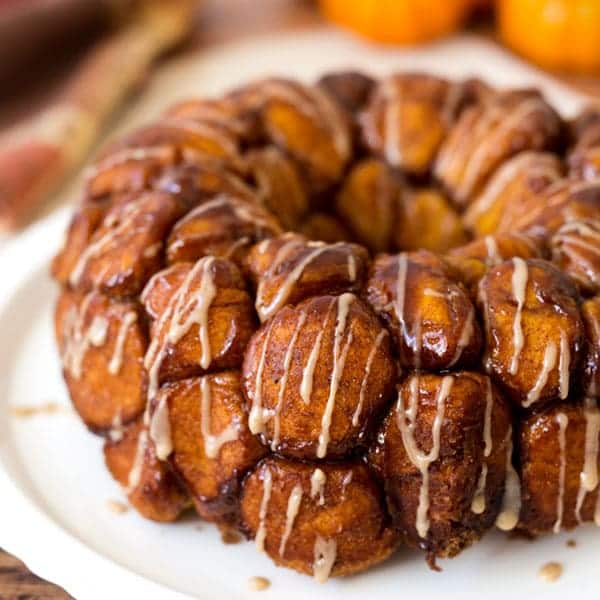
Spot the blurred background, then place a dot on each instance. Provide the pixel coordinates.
(67, 67)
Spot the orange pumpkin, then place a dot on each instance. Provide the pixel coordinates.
(556, 34)
(398, 21)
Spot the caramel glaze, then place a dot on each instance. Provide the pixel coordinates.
(222, 326)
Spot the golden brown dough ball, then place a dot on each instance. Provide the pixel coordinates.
(126, 249)
(489, 133)
(408, 117)
(280, 187)
(351, 89)
(516, 182)
(576, 251)
(534, 333)
(367, 203)
(151, 487)
(201, 426)
(431, 318)
(225, 226)
(202, 320)
(316, 375)
(289, 268)
(323, 520)
(102, 343)
(495, 249)
(324, 227)
(441, 453)
(426, 220)
(559, 465)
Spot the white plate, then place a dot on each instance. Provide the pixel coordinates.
(53, 485)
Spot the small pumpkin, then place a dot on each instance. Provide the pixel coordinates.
(557, 34)
(398, 21)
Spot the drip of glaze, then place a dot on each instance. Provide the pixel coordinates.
(256, 418)
(116, 361)
(264, 506)
(511, 502)
(548, 364)
(160, 430)
(564, 362)
(339, 359)
(401, 291)
(519, 287)
(290, 516)
(306, 383)
(465, 336)
(563, 422)
(197, 312)
(78, 339)
(116, 432)
(365, 379)
(589, 475)
(135, 474)
(417, 457)
(493, 253)
(317, 485)
(479, 502)
(283, 381)
(346, 481)
(285, 288)
(325, 552)
(212, 442)
(351, 267)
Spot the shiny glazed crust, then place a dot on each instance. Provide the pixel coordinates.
(345, 316)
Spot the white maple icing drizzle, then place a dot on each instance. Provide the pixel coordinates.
(135, 474)
(511, 502)
(325, 552)
(160, 429)
(317, 485)
(290, 516)
(116, 431)
(365, 379)
(494, 257)
(564, 362)
(285, 288)
(406, 421)
(116, 225)
(213, 442)
(306, 382)
(261, 532)
(283, 380)
(563, 422)
(339, 359)
(401, 291)
(519, 287)
(392, 123)
(346, 481)
(351, 267)
(116, 360)
(152, 250)
(78, 338)
(548, 364)
(489, 142)
(479, 503)
(588, 479)
(256, 418)
(465, 336)
(182, 315)
(593, 321)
